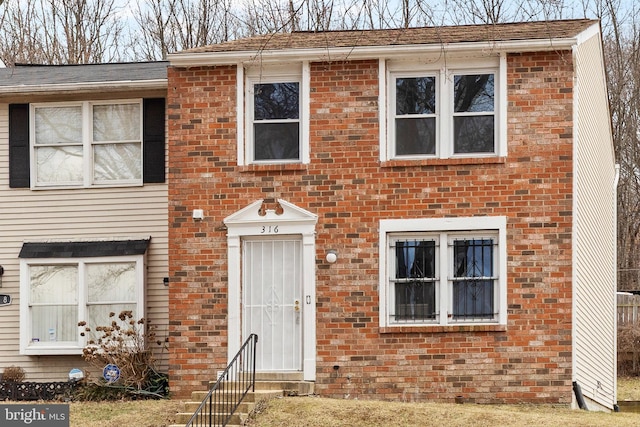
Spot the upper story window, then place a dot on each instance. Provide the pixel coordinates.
(473, 113)
(276, 100)
(415, 115)
(443, 112)
(276, 121)
(85, 144)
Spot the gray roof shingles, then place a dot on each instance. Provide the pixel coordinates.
(33, 75)
(83, 249)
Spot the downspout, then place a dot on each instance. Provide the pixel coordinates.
(579, 398)
(574, 208)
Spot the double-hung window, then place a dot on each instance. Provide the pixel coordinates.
(443, 271)
(83, 144)
(443, 112)
(415, 115)
(59, 293)
(276, 121)
(474, 126)
(276, 128)
(413, 279)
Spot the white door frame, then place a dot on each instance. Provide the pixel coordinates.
(282, 218)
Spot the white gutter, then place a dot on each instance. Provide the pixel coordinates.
(188, 59)
(84, 86)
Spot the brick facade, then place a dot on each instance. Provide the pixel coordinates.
(350, 190)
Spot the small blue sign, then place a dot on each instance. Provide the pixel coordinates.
(111, 373)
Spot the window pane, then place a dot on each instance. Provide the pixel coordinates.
(414, 296)
(54, 284)
(416, 136)
(474, 134)
(473, 261)
(117, 162)
(276, 141)
(54, 323)
(59, 164)
(273, 101)
(473, 299)
(98, 315)
(117, 122)
(58, 125)
(111, 282)
(473, 93)
(415, 95)
(415, 259)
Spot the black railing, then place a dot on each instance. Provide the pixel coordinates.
(232, 386)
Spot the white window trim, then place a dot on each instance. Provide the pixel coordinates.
(454, 227)
(87, 145)
(69, 347)
(444, 71)
(246, 78)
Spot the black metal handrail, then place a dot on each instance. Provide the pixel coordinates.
(232, 386)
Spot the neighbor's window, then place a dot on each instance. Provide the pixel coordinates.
(63, 293)
(87, 143)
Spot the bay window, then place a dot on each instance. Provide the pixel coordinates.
(59, 293)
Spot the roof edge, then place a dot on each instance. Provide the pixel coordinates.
(192, 59)
(84, 86)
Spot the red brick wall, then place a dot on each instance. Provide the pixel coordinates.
(350, 191)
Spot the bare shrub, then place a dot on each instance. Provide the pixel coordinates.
(13, 373)
(124, 343)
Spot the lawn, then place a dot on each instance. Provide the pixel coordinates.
(322, 412)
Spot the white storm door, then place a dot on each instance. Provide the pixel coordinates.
(272, 301)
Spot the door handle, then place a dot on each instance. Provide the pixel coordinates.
(296, 305)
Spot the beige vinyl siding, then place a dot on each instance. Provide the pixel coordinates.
(79, 214)
(594, 231)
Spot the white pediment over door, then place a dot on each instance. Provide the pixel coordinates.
(289, 218)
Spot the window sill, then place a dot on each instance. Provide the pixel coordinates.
(404, 329)
(87, 187)
(282, 167)
(444, 162)
(51, 351)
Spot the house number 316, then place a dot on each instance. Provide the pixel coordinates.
(269, 229)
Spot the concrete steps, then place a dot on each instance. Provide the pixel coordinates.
(268, 386)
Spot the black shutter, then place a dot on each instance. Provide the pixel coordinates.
(153, 140)
(19, 146)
